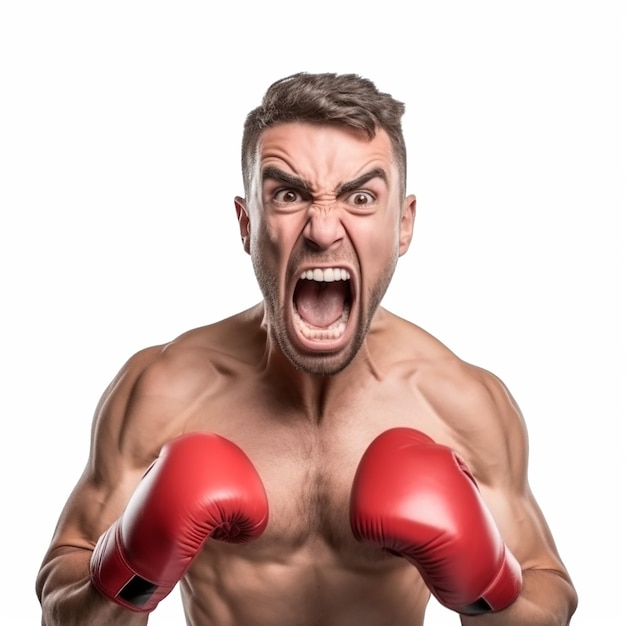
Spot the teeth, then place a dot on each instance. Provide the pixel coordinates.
(325, 275)
(334, 331)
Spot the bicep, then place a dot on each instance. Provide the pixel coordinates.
(94, 504)
(523, 527)
(117, 460)
(502, 473)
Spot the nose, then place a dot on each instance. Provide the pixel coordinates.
(324, 228)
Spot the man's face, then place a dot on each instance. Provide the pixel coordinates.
(324, 224)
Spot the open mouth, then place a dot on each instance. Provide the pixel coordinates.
(322, 302)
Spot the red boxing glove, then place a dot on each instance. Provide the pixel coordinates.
(418, 499)
(200, 486)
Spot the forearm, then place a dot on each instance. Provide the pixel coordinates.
(68, 598)
(547, 599)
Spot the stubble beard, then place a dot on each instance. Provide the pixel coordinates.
(318, 364)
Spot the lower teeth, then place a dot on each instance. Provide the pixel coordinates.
(334, 331)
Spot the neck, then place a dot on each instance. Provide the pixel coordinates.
(313, 394)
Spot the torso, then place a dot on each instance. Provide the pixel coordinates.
(306, 569)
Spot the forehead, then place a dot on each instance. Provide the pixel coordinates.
(324, 155)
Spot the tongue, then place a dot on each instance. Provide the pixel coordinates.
(320, 304)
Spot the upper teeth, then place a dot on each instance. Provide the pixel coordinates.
(326, 275)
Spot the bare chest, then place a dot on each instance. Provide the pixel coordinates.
(307, 465)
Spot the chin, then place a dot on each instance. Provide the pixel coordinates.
(319, 365)
(321, 360)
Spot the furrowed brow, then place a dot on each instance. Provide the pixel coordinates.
(274, 173)
(357, 183)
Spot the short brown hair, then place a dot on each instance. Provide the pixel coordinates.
(327, 98)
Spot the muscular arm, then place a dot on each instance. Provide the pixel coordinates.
(499, 459)
(63, 585)
(117, 460)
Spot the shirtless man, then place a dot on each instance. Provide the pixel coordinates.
(282, 463)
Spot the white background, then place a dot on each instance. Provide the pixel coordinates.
(119, 158)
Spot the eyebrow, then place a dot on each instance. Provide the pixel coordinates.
(353, 185)
(274, 173)
(277, 174)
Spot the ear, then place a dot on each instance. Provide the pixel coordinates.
(244, 222)
(407, 221)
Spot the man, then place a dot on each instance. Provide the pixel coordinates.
(313, 460)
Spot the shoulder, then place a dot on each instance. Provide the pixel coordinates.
(150, 399)
(474, 411)
(394, 341)
(183, 366)
(481, 419)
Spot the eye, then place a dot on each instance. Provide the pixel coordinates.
(361, 198)
(287, 196)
